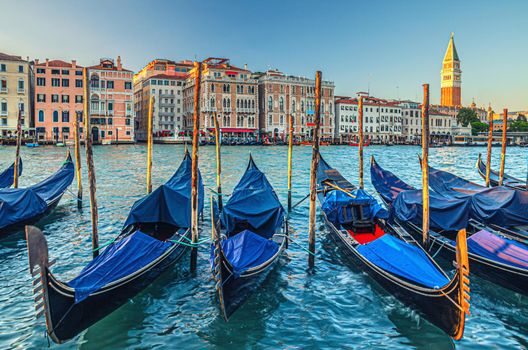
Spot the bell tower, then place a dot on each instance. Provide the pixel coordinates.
(450, 76)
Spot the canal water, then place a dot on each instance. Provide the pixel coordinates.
(332, 306)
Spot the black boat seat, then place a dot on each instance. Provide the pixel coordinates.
(354, 214)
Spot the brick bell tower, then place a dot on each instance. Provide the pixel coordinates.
(451, 77)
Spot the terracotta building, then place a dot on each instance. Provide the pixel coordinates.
(282, 96)
(58, 99)
(15, 92)
(111, 102)
(163, 79)
(227, 90)
(450, 77)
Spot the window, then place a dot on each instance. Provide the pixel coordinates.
(127, 121)
(270, 103)
(281, 103)
(65, 116)
(21, 85)
(78, 72)
(21, 69)
(109, 84)
(110, 106)
(78, 83)
(55, 82)
(41, 116)
(65, 98)
(55, 71)
(41, 98)
(54, 98)
(41, 70)
(78, 99)
(55, 116)
(2, 67)
(110, 121)
(281, 119)
(128, 85)
(270, 120)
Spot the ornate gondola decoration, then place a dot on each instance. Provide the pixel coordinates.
(155, 235)
(23, 206)
(391, 256)
(495, 253)
(509, 181)
(7, 176)
(249, 237)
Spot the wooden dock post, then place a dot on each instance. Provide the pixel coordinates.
(490, 143)
(218, 145)
(360, 148)
(313, 170)
(91, 169)
(290, 160)
(425, 165)
(17, 152)
(194, 191)
(77, 155)
(149, 145)
(503, 150)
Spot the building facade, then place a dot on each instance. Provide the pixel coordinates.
(15, 95)
(58, 99)
(450, 77)
(165, 80)
(282, 96)
(111, 102)
(228, 91)
(411, 120)
(382, 119)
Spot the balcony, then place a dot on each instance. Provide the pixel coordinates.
(21, 91)
(3, 113)
(4, 90)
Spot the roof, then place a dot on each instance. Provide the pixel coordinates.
(57, 63)
(6, 57)
(451, 52)
(368, 101)
(113, 68)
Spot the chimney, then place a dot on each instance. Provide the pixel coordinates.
(245, 66)
(47, 62)
(36, 61)
(119, 66)
(74, 64)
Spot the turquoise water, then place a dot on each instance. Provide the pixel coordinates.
(332, 306)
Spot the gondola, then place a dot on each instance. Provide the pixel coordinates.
(509, 181)
(494, 252)
(7, 176)
(249, 236)
(155, 235)
(391, 256)
(23, 206)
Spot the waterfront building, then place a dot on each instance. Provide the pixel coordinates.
(450, 77)
(382, 119)
(230, 92)
(282, 96)
(15, 95)
(58, 99)
(164, 79)
(411, 113)
(111, 102)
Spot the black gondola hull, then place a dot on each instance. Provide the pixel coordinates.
(66, 319)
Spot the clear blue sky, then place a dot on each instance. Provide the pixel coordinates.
(393, 46)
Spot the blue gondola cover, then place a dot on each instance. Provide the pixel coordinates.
(20, 204)
(386, 183)
(497, 248)
(337, 204)
(404, 260)
(246, 250)
(7, 176)
(118, 260)
(170, 203)
(253, 204)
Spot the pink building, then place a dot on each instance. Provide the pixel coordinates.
(111, 102)
(58, 98)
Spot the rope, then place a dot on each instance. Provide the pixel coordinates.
(439, 249)
(104, 245)
(192, 245)
(73, 195)
(218, 194)
(298, 244)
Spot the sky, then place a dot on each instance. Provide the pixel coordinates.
(387, 47)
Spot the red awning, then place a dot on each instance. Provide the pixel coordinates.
(234, 130)
(310, 124)
(230, 72)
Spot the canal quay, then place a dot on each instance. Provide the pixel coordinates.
(327, 307)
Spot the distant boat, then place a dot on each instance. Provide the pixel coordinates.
(60, 144)
(356, 144)
(32, 145)
(106, 142)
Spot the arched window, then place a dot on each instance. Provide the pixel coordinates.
(245, 103)
(293, 106)
(55, 116)
(225, 121)
(238, 103)
(322, 107)
(281, 103)
(252, 103)
(41, 116)
(281, 120)
(212, 102)
(270, 103)
(212, 87)
(302, 106)
(228, 103)
(224, 102)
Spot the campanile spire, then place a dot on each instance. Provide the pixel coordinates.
(450, 76)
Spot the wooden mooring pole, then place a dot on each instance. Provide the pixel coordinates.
(490, 143)
(425, 165)
(313, 170)
(503, 150)
(290, 160)
(218, 145)
(17, 152)
(194, 190)
(360, 148)
(77, 155)
(91, 169)
(149, 145)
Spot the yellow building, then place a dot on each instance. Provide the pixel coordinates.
(14, 94)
